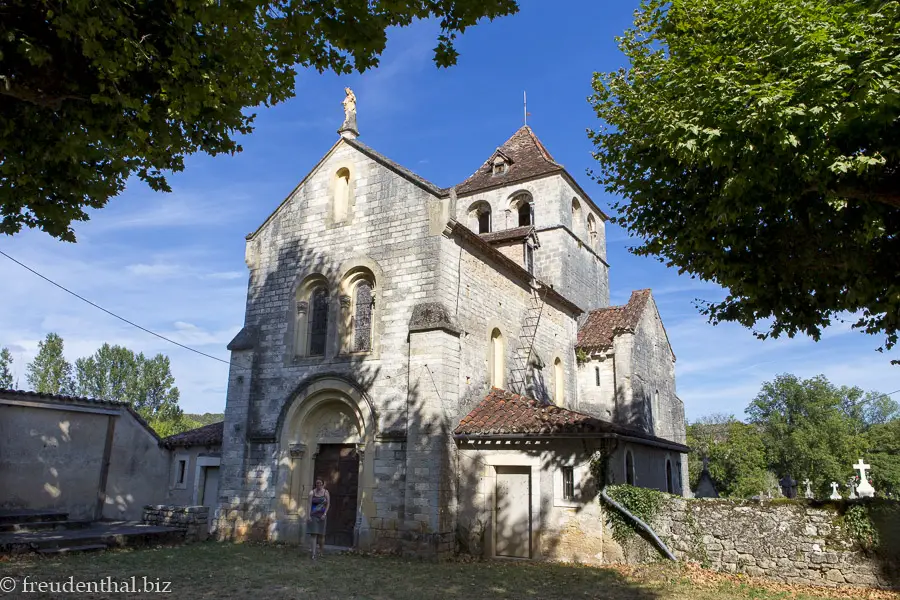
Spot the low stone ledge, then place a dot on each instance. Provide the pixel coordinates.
(194, 520)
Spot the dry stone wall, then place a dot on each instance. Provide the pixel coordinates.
(793, 542)
(193, 519)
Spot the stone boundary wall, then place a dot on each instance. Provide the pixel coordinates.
(789, 541)
(193, 519)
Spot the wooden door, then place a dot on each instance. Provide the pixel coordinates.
(513, 509)
(338, 466)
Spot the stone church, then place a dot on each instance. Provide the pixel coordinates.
(446, 359)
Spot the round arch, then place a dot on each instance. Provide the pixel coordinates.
(328, 409)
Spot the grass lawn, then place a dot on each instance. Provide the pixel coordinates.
(270, 572)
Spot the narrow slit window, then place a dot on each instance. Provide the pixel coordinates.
(318, 322)
(362, 319)
(629, 468)
(529, 258)
(484, 221)
(597, 375)
(182, 468)
(568, 483)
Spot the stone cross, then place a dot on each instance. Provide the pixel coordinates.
(865, 489)
(808, 492)
(852, 495)
(835, 495)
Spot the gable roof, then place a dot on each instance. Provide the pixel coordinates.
(208, 435)
(504, 413)
(76, 401)
(527, 159)
(604, 324)
(376, 156)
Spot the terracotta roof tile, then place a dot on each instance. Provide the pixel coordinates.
(507, 235)
(506, 413)
(528, 159)
(208, 435)
(603, 324)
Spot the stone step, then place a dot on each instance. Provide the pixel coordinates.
(108, 534)
(42, 526)
(73, 549)
(31, 516)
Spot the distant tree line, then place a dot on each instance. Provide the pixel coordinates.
(112, 373)
(806, 428)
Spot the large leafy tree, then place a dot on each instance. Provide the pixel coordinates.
(756, 144)
(6, 376)
(93, 92)
(118, 374)
(736, 454)
(50, 372)
(807, 430)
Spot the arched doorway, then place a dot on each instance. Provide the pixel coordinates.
(325, 433)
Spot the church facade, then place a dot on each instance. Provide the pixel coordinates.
(446, 359)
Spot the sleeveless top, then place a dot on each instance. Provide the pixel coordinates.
(318, 506)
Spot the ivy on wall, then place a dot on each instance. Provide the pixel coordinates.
(641, 502)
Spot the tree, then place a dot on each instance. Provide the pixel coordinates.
(806, 430)
(92, 93)
(115, 373)
(50, 372)
(6, 376)
(884, 456)
(756, 144)
(107, 375)
(736, 453)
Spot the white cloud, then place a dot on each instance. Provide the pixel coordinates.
(154, 270)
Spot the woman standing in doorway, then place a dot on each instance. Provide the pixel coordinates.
(319, 501)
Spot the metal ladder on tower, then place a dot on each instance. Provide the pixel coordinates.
(521, 355)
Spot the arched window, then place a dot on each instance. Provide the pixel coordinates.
(311, 317)
(559, 383)
(480, 217)
(524, 207)
(576, 217)
(629, 467)
(497, 366)
(341, 194)
(670, 483)
(317, 325)
(363, 301)
(357, 317)
(592, 231)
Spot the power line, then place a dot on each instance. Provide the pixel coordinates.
(82, 298)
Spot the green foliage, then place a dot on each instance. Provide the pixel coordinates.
(737, 457)
(118, 374)
(807, 430)
(50, 372)
(756, 144)
(581, 356)
(205, 418)
(94, 92)
(883, 453)
(644, 503)
(6, 376)
(857, 521)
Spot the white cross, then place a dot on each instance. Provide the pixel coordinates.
(864, 489)
(835, 495)
(861, 467)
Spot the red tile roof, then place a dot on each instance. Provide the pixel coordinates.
(208, 435)
(603, 324)
(506, 413)
(528, 159)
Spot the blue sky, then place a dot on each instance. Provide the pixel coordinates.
(174, 262)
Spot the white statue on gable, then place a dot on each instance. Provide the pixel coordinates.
(348, 127)
(864, 489)
(835, 494)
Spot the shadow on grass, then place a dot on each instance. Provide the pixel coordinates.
(273, 572)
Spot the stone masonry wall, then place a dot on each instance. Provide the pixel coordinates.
(793, 542)
(193, 519)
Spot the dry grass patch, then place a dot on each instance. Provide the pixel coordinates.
(272, 572)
